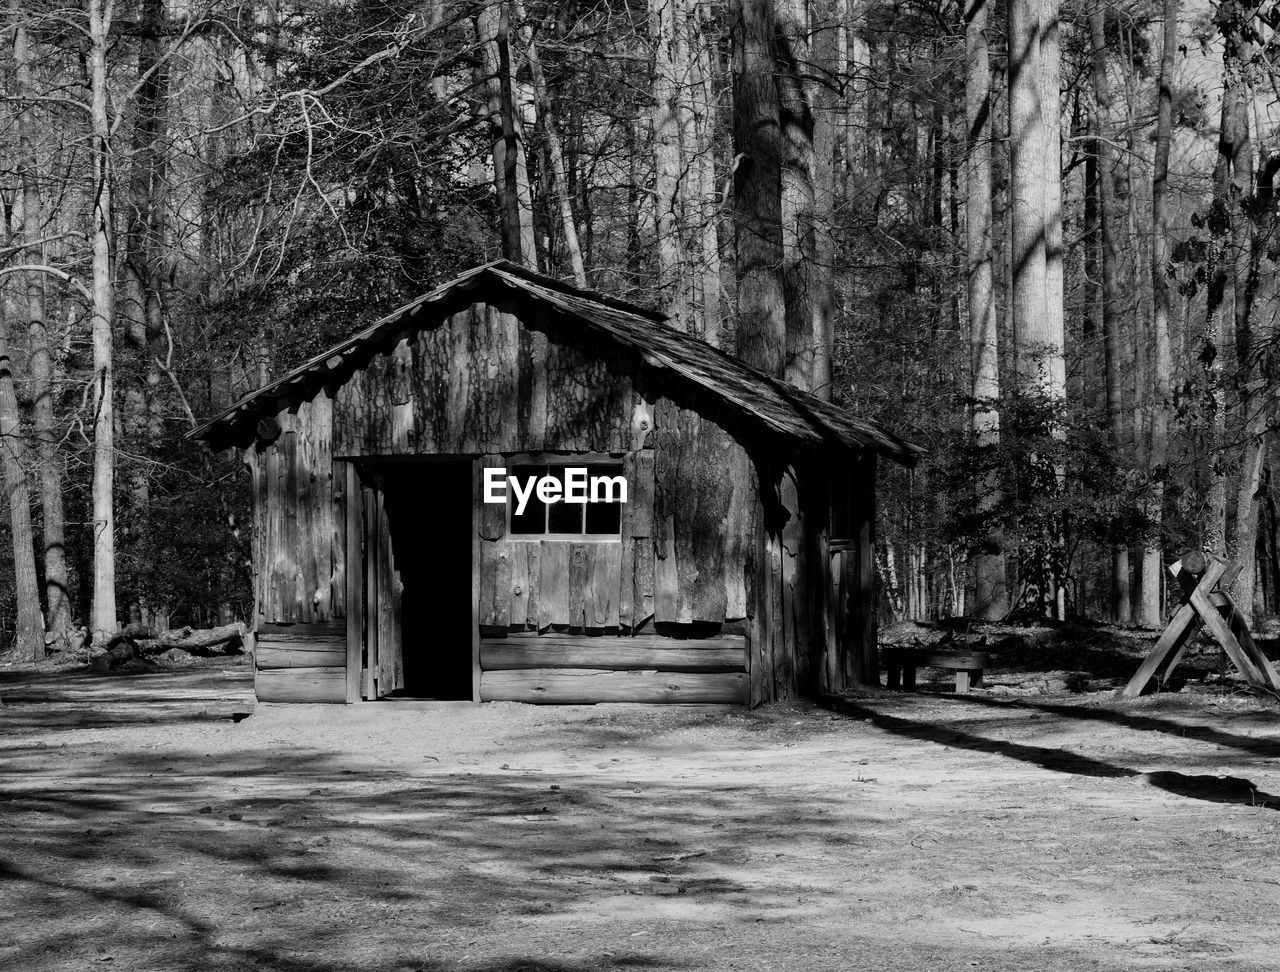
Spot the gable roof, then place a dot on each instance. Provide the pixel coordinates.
(777, 404)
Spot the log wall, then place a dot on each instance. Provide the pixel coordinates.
(300, 662)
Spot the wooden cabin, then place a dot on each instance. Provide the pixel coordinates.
(739, 569)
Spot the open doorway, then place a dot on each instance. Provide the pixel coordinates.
(430, 519)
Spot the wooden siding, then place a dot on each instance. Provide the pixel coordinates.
(300, 662)
(299, 520)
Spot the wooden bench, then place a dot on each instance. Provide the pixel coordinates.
(903, 662)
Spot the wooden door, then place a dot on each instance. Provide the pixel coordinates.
(382, 670)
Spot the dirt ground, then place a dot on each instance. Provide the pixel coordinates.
(999, 830)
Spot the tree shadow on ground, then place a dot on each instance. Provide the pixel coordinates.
(151, 854)
(1269, 748)
(1214, 789)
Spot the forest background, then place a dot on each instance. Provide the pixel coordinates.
(1037, 238)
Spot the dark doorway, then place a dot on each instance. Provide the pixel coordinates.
(430, 517)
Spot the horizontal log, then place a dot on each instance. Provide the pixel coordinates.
(327, 684)
(322, 631)
(716, 643)
(301, 655)
(662, 654)
(572, 686)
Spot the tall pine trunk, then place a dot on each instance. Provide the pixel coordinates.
(1121, 600)
(806, 174)
(669, 73)
(991, 596)
(103, 622)
(757, 187)
(1034, 185)
(1252, 391)
(1150, 610)
(510, 168)
(140, 310)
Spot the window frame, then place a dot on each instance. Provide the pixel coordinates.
(548, 460)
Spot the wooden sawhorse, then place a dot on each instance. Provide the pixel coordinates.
(1207, 604)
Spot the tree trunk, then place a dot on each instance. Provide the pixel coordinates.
(510, 168)
(1028, 192)
(822, 274)
(1253, 391)
(140, 308)
(704, 66)
(1151, 606)
(1121, 599)
(555, 151)
(26, 586)
(805, 180)
(103, 620)
(1035, 182)
(666, 21)
(757, 191)
(39, 359)
(1050, 82)
(991, 595)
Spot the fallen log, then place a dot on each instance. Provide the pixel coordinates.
(137, 641)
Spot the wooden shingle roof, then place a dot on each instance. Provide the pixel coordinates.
(780, 406)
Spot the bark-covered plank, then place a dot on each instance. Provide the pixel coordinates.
(568, 686)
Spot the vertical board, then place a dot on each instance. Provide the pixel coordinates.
(581, 568)
(644, 598)
(491, 518)
(354, 576)
(306, 500)
(328, 536)
(475, 590)
(252, 460)
(864, 632)
(795, 591)
(390, 655)
(339, 547)
(495, 582)
(553, 584)
(372, 595)
(519, 601)
(606, 580)
(533, 571)
(289, 523)
(273, 560)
